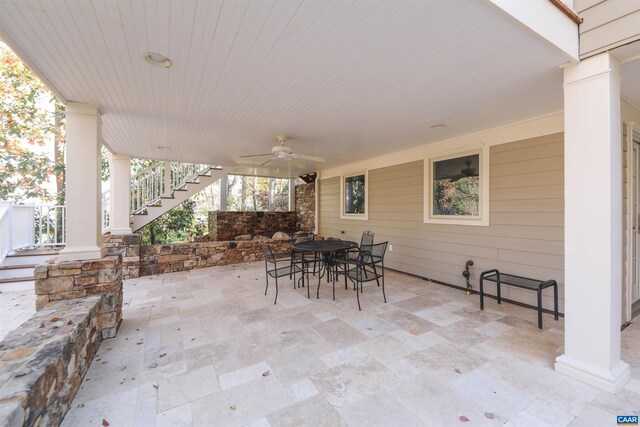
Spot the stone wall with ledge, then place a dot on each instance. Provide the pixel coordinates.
(159, 259)
(228, 225)
(43, 361)
(56, 281)
(128, 246)
(305, 207)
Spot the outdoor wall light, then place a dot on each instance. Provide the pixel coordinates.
(157, 59)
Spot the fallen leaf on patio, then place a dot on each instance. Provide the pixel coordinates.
(80, 405)
(123, 368)
(163, 355)
(153, 365)
(105, 423)
(489, 415)
(193, 339)
(70, 322)
(156, 386)
(457, 370)
(463, 418)
(233, 407)
(266, 374)
(55, 319)
(140, 342)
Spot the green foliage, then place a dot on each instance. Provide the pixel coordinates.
(247, 193)
(457, 197)
(355, 194)
(30, 116)
(177, 225)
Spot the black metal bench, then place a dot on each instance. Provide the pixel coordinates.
(519, 282)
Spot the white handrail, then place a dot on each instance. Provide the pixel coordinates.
(148, 186)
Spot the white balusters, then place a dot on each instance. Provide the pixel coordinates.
(106, 201)
(149, 185)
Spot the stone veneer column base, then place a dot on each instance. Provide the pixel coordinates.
(128, 246)
(64, 280)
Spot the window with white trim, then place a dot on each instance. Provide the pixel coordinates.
(457, 186)
(353, 191)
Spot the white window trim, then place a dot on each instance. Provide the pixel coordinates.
(365, 215)
(483, 218)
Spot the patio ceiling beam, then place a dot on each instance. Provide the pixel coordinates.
(548, 22)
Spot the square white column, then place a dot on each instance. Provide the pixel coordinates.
(83, 183)
(593, 224)
(120, 194)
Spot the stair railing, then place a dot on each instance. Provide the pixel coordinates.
(24, 226)
(182, 173)
(150, 185)
(147, 186)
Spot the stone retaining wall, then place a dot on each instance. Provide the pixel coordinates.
(159, 259)
(56, 281)
(42, 363)
(228, 225)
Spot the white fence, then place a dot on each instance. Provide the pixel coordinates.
(106, 209)
(30, 226)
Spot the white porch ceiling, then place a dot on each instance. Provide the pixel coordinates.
(343, 80)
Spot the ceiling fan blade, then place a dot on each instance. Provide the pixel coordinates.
(265, 162)
(257, 155)
(310, 158)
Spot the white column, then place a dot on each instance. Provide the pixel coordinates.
(593, 224)
(83, 183)
(120, 194)
(223, 193)
(292, 194)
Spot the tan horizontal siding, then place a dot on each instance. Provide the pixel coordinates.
(609, 24)
(526, 216)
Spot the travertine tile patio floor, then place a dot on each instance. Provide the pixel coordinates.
(206, 348)
(16, 307)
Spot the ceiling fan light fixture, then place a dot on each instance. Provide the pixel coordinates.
(157, 59)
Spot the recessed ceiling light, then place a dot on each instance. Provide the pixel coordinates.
(438, 126)
(157, 59)
(162, 147)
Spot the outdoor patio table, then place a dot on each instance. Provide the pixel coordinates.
(327, 248)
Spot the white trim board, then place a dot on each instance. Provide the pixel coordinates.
(532, 128)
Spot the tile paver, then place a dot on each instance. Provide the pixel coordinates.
(207, 348)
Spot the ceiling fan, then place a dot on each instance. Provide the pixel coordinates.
(283, 152)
